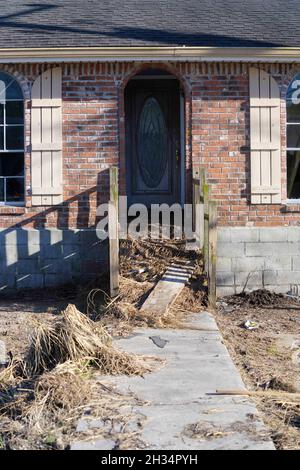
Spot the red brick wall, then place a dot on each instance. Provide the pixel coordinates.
(217, 137)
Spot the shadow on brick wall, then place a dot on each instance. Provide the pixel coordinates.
(33, 255)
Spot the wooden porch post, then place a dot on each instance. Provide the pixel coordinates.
(113, 227)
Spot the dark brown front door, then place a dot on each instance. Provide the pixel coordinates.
(152, 110)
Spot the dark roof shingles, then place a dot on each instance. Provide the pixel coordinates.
(88, 23)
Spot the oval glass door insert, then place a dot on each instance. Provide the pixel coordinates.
(152, 143)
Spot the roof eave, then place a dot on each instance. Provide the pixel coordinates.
(195, 54)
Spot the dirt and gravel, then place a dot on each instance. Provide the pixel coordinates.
(267, 356)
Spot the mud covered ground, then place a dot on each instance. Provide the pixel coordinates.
(268, 356)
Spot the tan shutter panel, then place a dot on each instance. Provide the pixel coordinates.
(264, 138)
(46, 138)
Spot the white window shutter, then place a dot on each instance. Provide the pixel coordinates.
(264, 138)
(46, 138)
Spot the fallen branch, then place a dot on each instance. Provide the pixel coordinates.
(258, 393)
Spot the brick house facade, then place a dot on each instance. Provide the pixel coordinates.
(217, 136)
(259, 244)
(233, 68)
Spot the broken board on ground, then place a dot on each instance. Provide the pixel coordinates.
(168, 288)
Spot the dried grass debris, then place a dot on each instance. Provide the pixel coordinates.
(74, 337)
(43, 396)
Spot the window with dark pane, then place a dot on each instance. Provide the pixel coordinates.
(11, 141)
(293, 139)
(15, 190)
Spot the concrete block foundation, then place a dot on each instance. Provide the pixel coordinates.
(254, 258)
(248, 258)
(32, 259)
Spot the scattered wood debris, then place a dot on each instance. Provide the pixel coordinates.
(121, 314)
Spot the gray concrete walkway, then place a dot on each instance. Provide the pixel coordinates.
(182, 411)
